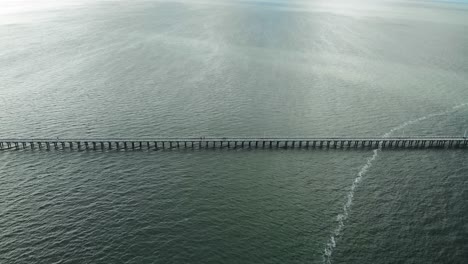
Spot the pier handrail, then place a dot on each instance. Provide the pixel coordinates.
(189, 139)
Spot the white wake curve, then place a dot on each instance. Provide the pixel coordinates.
(342, 217)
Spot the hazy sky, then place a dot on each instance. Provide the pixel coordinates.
(18, 11)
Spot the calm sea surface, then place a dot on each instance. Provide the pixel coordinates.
(233, 68)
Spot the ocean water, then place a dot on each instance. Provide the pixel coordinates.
(225, 68)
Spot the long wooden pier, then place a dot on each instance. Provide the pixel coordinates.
(234, 143)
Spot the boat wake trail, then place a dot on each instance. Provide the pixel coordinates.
(343, 216)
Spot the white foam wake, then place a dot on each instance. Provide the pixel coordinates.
(343, 216)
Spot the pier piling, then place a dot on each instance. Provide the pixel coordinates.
(250, 143)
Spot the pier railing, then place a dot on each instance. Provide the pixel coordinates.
(232, 143)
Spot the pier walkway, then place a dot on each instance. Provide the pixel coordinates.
(234, 143)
